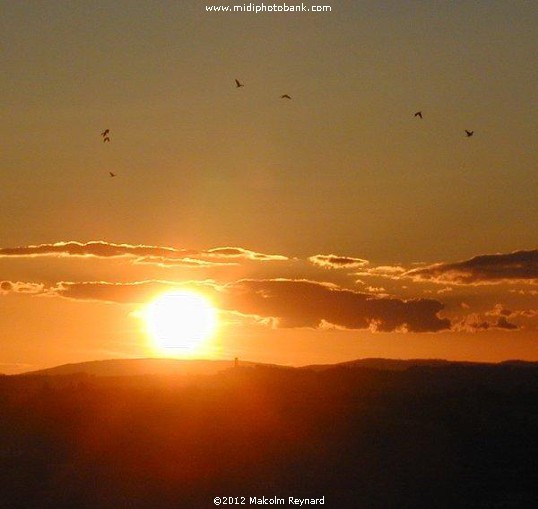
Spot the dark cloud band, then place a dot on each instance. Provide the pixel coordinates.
(292, 303)
(519, 266)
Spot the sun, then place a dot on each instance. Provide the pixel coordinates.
(180, 322)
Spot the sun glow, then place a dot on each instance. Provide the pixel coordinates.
(180, 322)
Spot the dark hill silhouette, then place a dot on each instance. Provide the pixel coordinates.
(382, 364)
(404, 364)
(437, 435)
(166, 366)
(133, 367)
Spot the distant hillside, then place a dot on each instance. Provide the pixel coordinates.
(189, 367)
(386, 364)
(164, 366)
(443, 435)
(133, 367)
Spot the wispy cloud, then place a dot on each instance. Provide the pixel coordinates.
(516, 267)
(496, 318)
(332, 261)
(384, 271)
(239, 252)
(500, 311)
(187, 262)
(475, 323)
(140, 253)
(137, 292)
(20, 287)
(98, 248)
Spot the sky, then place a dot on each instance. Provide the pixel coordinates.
(331, 226)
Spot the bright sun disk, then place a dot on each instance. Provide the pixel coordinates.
(180, 321)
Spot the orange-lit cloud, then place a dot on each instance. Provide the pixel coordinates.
(385, 271)
(516, 267)
(93, 248)
(501, 311)
(497, 318)
(287, 303)
(163, 256)
(279, 295)
(20, 287)
(337, 262)
(475, 323)
(302, 303)
(137, 292)
(239, 252)
(194, 263)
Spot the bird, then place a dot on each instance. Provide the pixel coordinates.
(111, 174)
(105, 139)
(105, 132)
(285, 96)
(238, 84)
(418, 114)
(469, 133)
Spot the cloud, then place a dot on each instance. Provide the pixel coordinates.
(337, 262)
(20, 287)
(499, 310)
(386, 271)
(516, 267)
(471, 323)
(503, 314)
(138, 292)
(474, 322)
(162, 261)
(503, 323)
(379, 290)
(303, 303)
(285, 302)
(162, 256)
(239, 252)
(525, 292)
(94, 248)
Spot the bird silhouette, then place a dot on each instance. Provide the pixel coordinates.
(105, 139)
(285, 96)
(469, 133)
(238, 84)
(111, 174)
(105, 132)
(418, 114)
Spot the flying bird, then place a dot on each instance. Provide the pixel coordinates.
(469, 133)
(238, 84)
(418, 114)
(105, 139)
(105, 132)
(111, 174)
(285, 96)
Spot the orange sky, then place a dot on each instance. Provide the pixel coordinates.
(355, 228)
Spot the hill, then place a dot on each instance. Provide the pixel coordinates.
(190, 367)
(383, 364)
(446, 436)
(134, 367)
